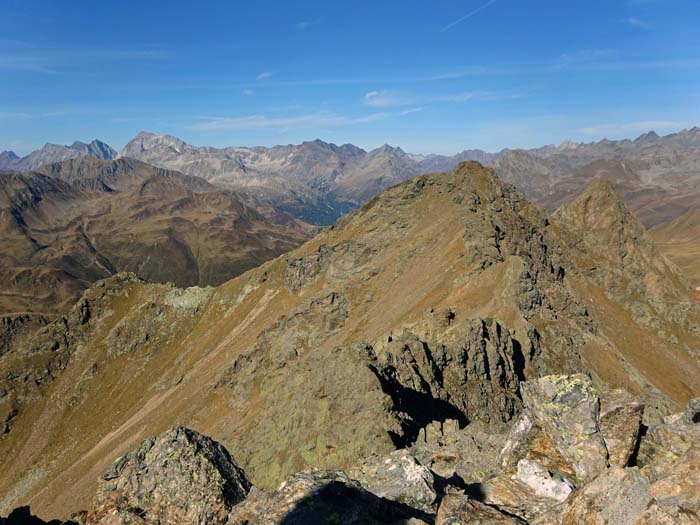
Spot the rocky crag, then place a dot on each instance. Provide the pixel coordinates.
(417, 322)
(575, 455)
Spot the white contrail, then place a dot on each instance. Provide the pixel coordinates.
(468, 15)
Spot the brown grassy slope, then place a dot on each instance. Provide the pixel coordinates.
(85, 219)
(679, 240)
(270, 363)
(634, 282)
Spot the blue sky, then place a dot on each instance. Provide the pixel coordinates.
(429, 76)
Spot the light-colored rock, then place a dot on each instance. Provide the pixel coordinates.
(567, 409)
(516, 438)
(542, 482)
(398, 477)
(514, 497)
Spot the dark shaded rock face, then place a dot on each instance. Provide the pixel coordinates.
(180, 476)
(473, 377)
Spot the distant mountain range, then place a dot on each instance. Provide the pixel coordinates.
(55, 153)
(318, 182)
(658, 177)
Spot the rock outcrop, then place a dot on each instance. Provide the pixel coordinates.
(568, 411)
(398, 477)
(175, 478)
(182, 477)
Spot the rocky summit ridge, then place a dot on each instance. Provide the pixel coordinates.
(438, 315)
(575, 455)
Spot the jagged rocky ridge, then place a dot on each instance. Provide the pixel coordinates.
(656, 175)
(412, 321)
(319, 182)
(572, 457)
(51, 153)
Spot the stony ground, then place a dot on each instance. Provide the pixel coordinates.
(573, 456)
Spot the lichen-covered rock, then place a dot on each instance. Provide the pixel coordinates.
(529, 441)
(468, 454)
(398, 477)
(663, 445)
(457, 509)
(675, 438)
(620, 420)
(567, 409)
(617, 497)
(178, 477)
(517, 436)
(541, 481)
(322, 497)
(681, 487)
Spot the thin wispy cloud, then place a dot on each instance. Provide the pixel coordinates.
(248, 92)
(588, 57)
(310, 121)
(467, 16)
(14, 115)
(583, 60)
(384, 99)
(27, 115)
(637, 22)
(21, 56)
(628, 128)
(265, 75)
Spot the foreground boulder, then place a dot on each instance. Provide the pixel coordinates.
(617, 497)
(175, 478)
(664, 444)
(680, 489)
(323, 497)
(398, 477)
(567, 409)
